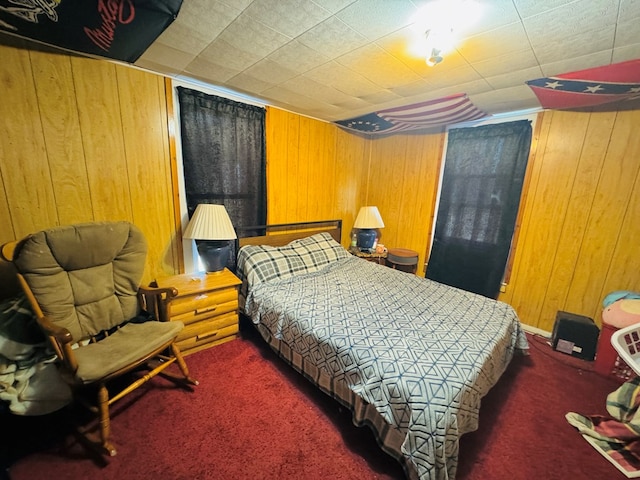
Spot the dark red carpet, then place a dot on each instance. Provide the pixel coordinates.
(253, 417)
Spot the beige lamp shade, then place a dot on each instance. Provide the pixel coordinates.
(368, 217)
(210, 222)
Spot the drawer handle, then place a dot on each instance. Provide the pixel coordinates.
(206, 335)
(205, 310)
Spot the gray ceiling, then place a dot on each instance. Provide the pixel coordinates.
(336, 59)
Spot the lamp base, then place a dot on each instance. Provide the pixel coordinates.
(366, 239)
(214, 254)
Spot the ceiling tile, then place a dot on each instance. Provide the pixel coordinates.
(420, 87)
(198, 23)
(629, 9)
(208, 72)
(573, 19)
(289, 17)
(574, 64)
(224, 54)
(509, 63)
(332, 38)
(578, 45)
(376, 18)
(501, 41)
(297, 57)
(343, 79)
(248, 83)
(302, 85)
(253, 37)
(529, 8)
(506, 100)
(381, 97)
(514, 78)
(334, 6)
(623, 54)
(270, 71)
(454, 76)
(628, 32)
(383, 69)
(161, 54)
(495, 14)
(343, 58)
(353, 104)
(291, 100)
(154, 67)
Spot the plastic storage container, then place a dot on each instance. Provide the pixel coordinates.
(626, 342)
(621, 315)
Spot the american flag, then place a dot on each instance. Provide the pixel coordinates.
(419, 116)
(616, 83)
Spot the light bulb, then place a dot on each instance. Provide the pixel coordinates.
(435, 58)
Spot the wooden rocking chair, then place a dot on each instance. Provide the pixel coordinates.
(83, 283)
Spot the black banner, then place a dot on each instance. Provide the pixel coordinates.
(118, 29)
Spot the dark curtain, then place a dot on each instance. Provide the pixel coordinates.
(480, 195)
(223, 151)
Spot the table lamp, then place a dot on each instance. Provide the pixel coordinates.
(368, 222)
(211, 228)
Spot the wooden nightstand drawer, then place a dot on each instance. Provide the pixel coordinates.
(208, 328)
(207, 304)
(192, 309)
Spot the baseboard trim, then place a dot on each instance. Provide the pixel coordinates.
(536, 331)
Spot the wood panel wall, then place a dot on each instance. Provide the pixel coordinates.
(315, 171)
(581, 219)
(403, 184)
(84, 140)
(88, 140)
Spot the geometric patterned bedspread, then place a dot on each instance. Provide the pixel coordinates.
(411, 357)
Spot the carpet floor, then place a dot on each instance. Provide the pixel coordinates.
(253, 417)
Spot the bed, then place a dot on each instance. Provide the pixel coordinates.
(410, 357)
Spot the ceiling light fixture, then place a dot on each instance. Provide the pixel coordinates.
(438, 23)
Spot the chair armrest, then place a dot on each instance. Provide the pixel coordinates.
(155, 300)
(61, 334)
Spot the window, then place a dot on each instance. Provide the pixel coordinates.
(223, 156)
(479, 199)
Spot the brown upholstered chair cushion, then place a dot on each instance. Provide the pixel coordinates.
(85, 276)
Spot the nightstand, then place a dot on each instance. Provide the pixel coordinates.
(207, 304)
(370, 257)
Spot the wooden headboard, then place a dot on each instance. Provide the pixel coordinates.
(278, 235)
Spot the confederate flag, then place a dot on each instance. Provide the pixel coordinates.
(617, 83)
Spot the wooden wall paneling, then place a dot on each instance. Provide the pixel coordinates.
(387, 179)
(582, 191)
(61, 127)
(613, 193)
(101, 126)
(276, 162)
(352, 153)
(292, 159)
(304, 186)
(8, 282)
(624, 269)
(23, 158)
(144, 127)
(319, 175)
(327, 162)
(424, 157)
(547, 211)
(172, 125)
(525, 213)
(277, 165)
(331, 161)
(533, 150)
